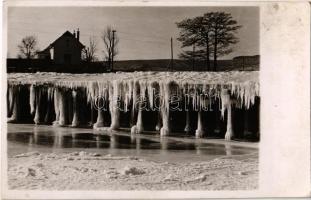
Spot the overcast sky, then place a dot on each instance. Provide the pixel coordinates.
(144, 32)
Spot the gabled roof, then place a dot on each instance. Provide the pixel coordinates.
(67, 34)
(47, 49)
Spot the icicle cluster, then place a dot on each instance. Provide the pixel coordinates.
(243, 85)
(196, 89)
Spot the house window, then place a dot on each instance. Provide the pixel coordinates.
(67, 42)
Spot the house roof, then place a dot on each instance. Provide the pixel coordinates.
(67, 34)
(46, 50)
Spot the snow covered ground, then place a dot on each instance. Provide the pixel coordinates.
(93, 171)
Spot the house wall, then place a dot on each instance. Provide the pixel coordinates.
(44, 55)
(67, 45)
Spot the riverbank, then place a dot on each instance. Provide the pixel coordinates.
(94, 171)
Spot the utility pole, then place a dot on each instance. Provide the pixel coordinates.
(172, 58)
(112, 49)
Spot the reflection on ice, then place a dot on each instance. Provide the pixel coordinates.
(164, 143)
(113, 141)
(228, 149)
(198, 146)
(138, 143)
(58, 140)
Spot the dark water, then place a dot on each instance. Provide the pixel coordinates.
(26, 138)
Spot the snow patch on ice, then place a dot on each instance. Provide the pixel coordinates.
(29, 154)
(132, 171)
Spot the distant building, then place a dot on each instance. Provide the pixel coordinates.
(64, 50)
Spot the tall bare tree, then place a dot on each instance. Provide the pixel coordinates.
(89, 53)
(28, 47)
(111, 41)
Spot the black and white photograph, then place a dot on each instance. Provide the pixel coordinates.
(133, 98)
(160, 98)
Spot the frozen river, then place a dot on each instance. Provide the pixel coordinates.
(42, 138)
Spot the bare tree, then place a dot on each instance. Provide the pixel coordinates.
(111, 41)
(89, 53)
(28, 47)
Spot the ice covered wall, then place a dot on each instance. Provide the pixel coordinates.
(131, 92)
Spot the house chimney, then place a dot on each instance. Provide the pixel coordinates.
(78, 34)
(74, 33)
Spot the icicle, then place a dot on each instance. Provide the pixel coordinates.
(138, 128)
(187, 128)
(150, 90)
(225, 101)
(10, 99)
(226, 104)
(159, 123)
(14, 102)
(56, 105)
(38, 108)
(62, 108)
(244, 87)
(200, 130)
(165, 91)
(135, 95)
(75, 105)
(113, 106)
(50, 92)
(47, 114)
(32, 99)
(126, 93)
(129, 93)
(229, 132)
(100, 116)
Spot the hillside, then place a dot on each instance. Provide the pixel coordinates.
(179, 65)
(35, 65)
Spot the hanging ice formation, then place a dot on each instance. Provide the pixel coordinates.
(131, 92)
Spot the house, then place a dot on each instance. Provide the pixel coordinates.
(64, 50)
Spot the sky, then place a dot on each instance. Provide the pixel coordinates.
(144, 32)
